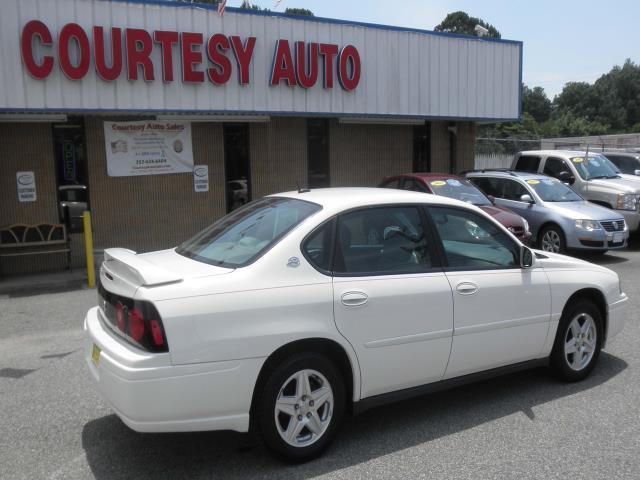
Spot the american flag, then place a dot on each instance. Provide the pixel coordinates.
(221, 5)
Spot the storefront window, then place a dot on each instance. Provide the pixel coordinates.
(318, 145)
(236, 165)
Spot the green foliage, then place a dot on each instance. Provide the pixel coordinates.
(610, 105)
(299, 11)
(251, 6)
(536, 103)
(462, 23)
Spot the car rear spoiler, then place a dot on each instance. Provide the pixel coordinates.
(128, 264)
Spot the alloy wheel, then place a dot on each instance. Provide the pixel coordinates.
(304, 408)
(580, 341)
(551, 241)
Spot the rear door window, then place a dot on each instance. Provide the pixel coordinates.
(413, 185)
(381, 241)
(490, 186)
(395, 183)
(528, 163)
(554, 166)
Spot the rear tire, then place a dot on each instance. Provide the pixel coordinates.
(551, 239)
(578, 341)
(300, 407)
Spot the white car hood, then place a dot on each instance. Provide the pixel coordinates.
(556, 260)
(621, 185)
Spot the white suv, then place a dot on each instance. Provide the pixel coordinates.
(592, 176)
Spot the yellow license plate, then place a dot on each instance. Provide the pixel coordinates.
(95, 354)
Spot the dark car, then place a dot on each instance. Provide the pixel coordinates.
(627, 162)
(453, 186)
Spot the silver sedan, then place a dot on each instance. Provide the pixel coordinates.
(559, 218)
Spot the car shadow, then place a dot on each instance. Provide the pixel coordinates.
(114, 451)
(609, 258)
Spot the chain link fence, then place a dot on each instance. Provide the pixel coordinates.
(499, 152)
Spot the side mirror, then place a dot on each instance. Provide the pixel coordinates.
(527, 199)
(492, 199)
(637, 172)
(566, 177)
(526, 257)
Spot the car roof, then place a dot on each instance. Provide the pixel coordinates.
(507, 174)
(568, 153)
(344, 198)
(426, 175)
(635, 155)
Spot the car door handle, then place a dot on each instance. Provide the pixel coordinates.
(466, 288)
(354, 299)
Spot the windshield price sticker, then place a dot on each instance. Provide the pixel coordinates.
(533, 182)
(577, 159)
(454, 183)
(438, 183)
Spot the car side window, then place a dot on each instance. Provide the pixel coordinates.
(513, 190)
(395, 183)
(472, 242)
(528, 163)
(490, 186)
(553, 166)
(413, 185)
(381, 241)
(317, 247)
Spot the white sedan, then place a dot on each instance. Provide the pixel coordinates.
(303, 306)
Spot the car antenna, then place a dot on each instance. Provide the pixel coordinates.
(302, 190)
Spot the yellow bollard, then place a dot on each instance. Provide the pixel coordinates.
(88, 247)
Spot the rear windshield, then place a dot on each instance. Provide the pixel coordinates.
(460, 190)
(552, 190)
(244, 235)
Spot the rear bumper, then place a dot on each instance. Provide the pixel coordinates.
(151, 395)
(617, 316)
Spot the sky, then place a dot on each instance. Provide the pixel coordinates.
(564, 40)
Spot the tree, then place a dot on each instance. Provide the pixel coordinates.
(462, 23)
(299, 11)
(251, 6)
(536, 103)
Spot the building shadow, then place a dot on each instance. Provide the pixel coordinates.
(114, 451)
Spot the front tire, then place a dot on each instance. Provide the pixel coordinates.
(578, 341)
(551, 239)
(301, 407)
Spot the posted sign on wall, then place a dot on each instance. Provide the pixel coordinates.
(148, 148)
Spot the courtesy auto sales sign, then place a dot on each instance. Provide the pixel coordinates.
(128, 52)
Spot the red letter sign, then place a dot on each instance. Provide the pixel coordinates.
(243, 55)
(283, 65)
(191, 57)
(135, 38)
(306, 71)
(108, 73)
(166, 39)
(349, 53)
(68, 32)
(36, 28)
(221, 70)
(328, 51)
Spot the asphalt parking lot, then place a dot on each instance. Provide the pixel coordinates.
(525, 425)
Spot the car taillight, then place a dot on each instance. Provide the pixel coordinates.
(136, 321)
(121, 317)
(136, 324)
(156, 333)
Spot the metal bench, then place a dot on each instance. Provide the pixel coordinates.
(44, 238)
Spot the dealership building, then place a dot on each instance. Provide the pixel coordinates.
(172, 115)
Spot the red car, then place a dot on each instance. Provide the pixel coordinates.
(453, 186)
